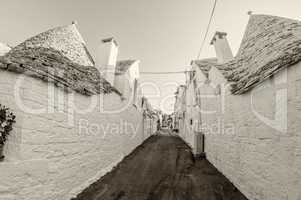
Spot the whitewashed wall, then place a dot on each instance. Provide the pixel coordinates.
(247, 141)
(187, 132)
(49, 155)
(125, 83)
(191, 107)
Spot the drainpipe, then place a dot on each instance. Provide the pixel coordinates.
(151, 128)
(143, 127)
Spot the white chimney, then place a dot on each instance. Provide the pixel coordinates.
(106, 59)
(4, 49)
(222, 48)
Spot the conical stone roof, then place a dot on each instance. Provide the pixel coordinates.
(65, 39)
(270, 43)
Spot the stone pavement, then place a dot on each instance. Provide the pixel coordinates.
(162, 168)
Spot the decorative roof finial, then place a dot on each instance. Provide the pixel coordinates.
(74, 22)
(250, 12)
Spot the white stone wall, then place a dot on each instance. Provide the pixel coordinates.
(191, 107)
(65, 39)
(254, 139)
(186, 131)
(57, 151)
(125, 83)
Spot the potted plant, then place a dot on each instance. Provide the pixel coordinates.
(6, 122)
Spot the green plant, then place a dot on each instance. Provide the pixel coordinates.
(7, 119)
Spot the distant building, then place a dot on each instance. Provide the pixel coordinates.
(150, 118)
(179, 109)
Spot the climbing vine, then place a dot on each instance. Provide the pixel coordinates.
(7, 119)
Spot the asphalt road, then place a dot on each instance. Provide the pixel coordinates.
(162, 168)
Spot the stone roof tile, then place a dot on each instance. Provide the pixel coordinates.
(65, 39)
(123, 66)
(51, 65)
(205, 64)
(270, 43)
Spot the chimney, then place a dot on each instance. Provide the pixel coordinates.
(106, 59)
(222, 48)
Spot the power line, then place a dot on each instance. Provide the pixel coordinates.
(175, 72)
(200, 50)
(208, 27)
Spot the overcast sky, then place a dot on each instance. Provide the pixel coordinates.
(164, 35)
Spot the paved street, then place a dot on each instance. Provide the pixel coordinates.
(162, 168)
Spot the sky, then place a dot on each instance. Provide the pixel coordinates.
(165, 35)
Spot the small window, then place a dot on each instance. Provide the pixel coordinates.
(191, 122)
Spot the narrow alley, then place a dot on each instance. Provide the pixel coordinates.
(163, 167)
